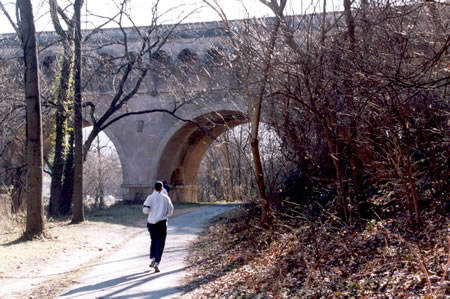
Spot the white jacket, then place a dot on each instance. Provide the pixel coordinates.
(158, 206)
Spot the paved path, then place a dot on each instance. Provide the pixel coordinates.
(125, 274)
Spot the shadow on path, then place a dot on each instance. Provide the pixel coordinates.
(121, 284)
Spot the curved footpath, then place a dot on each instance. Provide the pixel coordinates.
(126, 273)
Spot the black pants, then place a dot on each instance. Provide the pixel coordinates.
(158, 233)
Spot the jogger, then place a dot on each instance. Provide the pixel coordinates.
(158, 207)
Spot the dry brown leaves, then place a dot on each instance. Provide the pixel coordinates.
(322, 258)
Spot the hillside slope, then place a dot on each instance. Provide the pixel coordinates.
(321, 257)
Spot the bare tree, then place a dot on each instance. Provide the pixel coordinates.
(61, 99)
(255, 93)
(102, 172)
(77, 210)
(35, 212)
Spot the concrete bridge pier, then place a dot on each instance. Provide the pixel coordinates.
(137, 192)
(184, 193)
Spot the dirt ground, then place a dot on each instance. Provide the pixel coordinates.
(44, 267)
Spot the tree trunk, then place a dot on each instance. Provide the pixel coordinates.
(349, 20)
(255, 116)
(355, 161)
(67, 187)
(335, 155)
(78, 209)
(59, 202)
(229, 170)
(60, 134)
(35, 161)
(101, 187)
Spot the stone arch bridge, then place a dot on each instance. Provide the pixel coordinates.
(188, 73)
(190, 76)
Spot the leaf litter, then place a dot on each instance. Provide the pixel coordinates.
(321, 257)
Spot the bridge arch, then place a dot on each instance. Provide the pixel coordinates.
(185, 147)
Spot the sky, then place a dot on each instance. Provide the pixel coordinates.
(170, 11)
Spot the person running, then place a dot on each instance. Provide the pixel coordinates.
(159, 207)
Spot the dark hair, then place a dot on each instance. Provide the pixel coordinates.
(158, 186)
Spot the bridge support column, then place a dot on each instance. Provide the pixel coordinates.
(184, 193)
(136, 193)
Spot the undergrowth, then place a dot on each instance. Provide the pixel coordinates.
(319, 257)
